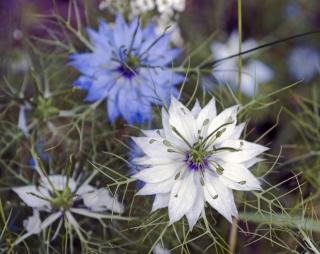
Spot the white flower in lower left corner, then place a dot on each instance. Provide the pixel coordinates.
(60, 197)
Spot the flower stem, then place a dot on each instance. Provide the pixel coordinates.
(240, 45)
(233, 236)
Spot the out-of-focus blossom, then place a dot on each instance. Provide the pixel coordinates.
(292, 10)
(158, 249)
(41, 152)
(197, 157)
(129, 68)
(303, 63)
(60, 196)
(253, 73)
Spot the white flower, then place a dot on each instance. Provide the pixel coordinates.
(33, 223)
(61, 198)
(158, 249)
(254, 72)
(197, 157)
(304, 63)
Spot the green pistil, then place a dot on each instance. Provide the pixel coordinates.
(197, 156)
(62, 199)
(132, 63)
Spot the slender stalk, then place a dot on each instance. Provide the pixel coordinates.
(233, 236)
(240, 46)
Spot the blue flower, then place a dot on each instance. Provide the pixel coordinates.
(129, 67)
(303, 63)
(41, 152)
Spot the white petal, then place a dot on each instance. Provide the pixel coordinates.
(181, 118)
(146, 160)
(59, 182)
(228, 119)
(26, 194)
(159, 250)
(237, 131)
(159, 173)
(155, 188)
(152, 133)
(182, 196)
(238, 177)
(72, 221)
(154, 147)
(196, 109)
(223, 202)
(197, 207)
(50, 219)
(161, 200)
(33, 223)
(250, 163)
(208, 112)
(247, 151)
(84, 188)
(259, 71)
(101, 200)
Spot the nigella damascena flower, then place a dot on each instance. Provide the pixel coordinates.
(303, 63)
(59, 197)
(253, 73)
(197, 157)
(128, 69)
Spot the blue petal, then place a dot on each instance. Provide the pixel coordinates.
(120, 33)
(100, 88)
(83, 82)
(112, 104)
(90, 63)
(98, 40)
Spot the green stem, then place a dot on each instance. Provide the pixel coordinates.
(240, 46)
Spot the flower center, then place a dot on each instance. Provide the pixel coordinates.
(197, 159)
(62, 199)
(45, 109)
(129, 68)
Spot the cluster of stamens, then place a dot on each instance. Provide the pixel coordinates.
(129, 68)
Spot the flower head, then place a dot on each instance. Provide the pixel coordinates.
(304, 63)
(127, 68)
(197, 157)
(254, 72)
(61, 197)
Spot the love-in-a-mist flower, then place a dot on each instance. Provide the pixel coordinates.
(197, 157)
(58, 198)
(253, 73)
(304, 63)
(129, 67)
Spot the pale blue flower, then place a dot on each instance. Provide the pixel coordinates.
(303, 63)
(254, 72)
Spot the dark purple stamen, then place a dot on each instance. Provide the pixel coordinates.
(126, 72)
(196, 166)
